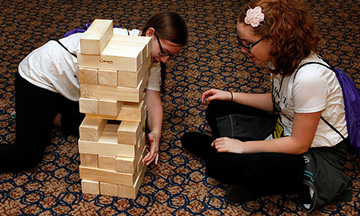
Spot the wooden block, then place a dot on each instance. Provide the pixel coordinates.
(133, 112)
(131, 79)
(144, 43)
(90, 187)
(125, 164)
(96, 37)
(106, 161)
(117, 55)
(131, 191)
(92, 128)
(110, 107)
(88, 105)
(111, 128)
(89, 160)
(88, 76)
(129, 164)
(140, 166)
(108, 77)
(129, 132)
(117, 93)
(107, 145)
(109, 176)
(142, 140)
(108, 189)
(129, 112)
(132, 39)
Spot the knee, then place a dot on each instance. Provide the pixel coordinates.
(214, 108)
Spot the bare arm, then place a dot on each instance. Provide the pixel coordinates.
(155, 119)
(303, 132)
(260, 101)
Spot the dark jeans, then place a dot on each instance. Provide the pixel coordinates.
(261, 173)
(35, 111)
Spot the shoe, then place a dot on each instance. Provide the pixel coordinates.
(237, 194)
(197, 143)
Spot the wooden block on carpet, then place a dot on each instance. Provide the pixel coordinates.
(90, 187)
(108, 189)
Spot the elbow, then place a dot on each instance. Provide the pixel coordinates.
(302, 151)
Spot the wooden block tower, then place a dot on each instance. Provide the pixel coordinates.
(113, 72)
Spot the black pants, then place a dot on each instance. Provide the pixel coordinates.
(261, 173)
(35, 110)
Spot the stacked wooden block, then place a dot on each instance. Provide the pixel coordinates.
(113, 72)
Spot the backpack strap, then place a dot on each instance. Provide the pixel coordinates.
(333, 69)
(66, 48)
(319, 63)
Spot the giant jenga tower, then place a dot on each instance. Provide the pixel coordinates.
(113, 72)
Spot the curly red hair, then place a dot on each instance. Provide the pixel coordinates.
(291, 30)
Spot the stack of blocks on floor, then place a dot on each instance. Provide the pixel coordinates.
(113, 72)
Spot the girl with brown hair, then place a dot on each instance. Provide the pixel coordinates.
(47, 91)
(275, 143)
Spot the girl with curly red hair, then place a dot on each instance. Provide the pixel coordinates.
(275, 143)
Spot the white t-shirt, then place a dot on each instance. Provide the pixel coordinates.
(51, 67)
(313, 88)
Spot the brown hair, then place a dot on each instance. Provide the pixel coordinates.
(168, 26)
(291, 30)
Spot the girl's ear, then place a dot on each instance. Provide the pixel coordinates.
(150, 32)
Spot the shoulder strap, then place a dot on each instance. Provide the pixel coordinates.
(319, 63)
(66, 49)
(332, 127)
(333, 69)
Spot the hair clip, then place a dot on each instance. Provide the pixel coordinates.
(254, 16)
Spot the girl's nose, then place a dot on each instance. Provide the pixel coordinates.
(164, 59)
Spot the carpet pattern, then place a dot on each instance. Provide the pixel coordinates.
(212, 59)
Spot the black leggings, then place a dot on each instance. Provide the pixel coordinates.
(35, 110)
(262, 173)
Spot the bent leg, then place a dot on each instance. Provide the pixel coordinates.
(246, 122)
(261, 173)
(71, 117)
(34, 114)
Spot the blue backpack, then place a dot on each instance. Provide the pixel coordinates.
(352, 105)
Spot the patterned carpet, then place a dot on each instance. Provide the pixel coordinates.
(177, 185)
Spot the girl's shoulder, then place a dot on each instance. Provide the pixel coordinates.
(310, 68)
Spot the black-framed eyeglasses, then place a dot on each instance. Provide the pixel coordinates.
(248, 48)
(162, 53)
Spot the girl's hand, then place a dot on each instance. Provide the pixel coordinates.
(153, 153)
(225, 144)
(215, 94)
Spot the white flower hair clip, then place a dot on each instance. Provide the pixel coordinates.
(254, 16)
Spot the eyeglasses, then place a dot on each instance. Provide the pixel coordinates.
(248, 48)
(162, 53)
